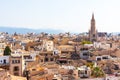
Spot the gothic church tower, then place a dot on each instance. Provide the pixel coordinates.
(93, 31)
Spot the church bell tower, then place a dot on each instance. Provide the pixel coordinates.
(93, 31)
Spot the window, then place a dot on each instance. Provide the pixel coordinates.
(104, 57)
(85, 54)
(85, 71)
(45, 54)
(33, 69)
(18, 61)
(25, 64)
(46, 59)
(98, 59)
(51, 59)
(13, 61)
(93, 35)
(41, 60)
(4, 61)
(16, 68)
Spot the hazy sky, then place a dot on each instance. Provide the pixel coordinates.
(67, 15)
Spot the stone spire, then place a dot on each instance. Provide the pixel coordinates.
(93, 16)
(93, 31)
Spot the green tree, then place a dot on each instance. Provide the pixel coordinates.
(7, 51)
(90, 65)
(86, 42)
(97, 72)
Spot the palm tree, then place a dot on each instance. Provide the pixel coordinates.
(97, 72)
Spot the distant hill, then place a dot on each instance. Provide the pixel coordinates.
(12, 30)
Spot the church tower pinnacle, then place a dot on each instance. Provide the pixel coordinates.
(93, 31)
(93, 16)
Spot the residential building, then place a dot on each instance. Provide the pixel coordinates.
(84, 72)
(2, 47)
(4, 60)
(48, 45)
(85, 54)
(17, 65)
